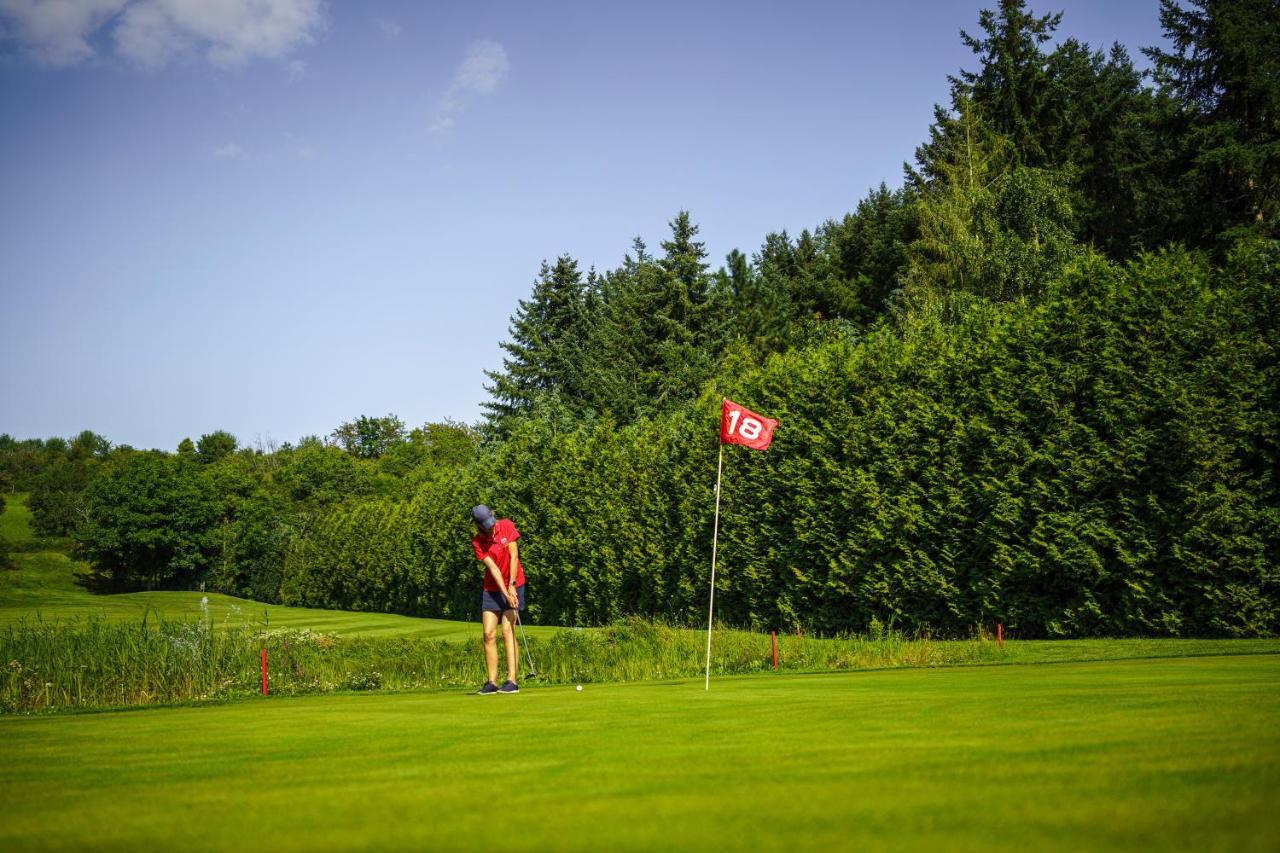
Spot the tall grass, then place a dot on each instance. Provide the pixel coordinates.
(94, 663)
(639, 650)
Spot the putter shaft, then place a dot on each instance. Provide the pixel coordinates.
(524, 641)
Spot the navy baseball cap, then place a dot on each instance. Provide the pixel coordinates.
(483, 516)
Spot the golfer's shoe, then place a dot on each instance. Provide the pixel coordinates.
(509, 686)
(489, 689)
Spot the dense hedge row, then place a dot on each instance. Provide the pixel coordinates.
(1102, 462)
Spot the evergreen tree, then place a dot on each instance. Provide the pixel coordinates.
(684, 262)
(546, 346)
(1012, 83)
(1084, 114)
(655, 328)
(1224, 73)
(684, 353)
(772, 309)
(866, 252)
(1107, 129)
(956, 171)
(619, 379)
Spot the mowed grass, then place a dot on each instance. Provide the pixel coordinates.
(43, 586)
(1168, 754)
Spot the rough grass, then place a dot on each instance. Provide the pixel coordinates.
(1134, 755)
(99, 663)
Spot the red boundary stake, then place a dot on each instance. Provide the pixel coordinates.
(1000, 635)
(264, 672)
(775, 650)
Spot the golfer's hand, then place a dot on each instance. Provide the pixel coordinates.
(513, 599)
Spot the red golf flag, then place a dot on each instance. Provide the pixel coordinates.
(739, 425)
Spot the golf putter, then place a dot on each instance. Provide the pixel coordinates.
(524, 641)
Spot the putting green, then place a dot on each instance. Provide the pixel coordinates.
(1164, 754)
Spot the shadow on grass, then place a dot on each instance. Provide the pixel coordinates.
(101, 584)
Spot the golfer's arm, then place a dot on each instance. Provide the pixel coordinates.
(496, 573)
(515, 561)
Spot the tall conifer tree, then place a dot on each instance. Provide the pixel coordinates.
(1224, 72)
(547, 339)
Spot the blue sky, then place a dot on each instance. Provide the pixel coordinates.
(271, 216)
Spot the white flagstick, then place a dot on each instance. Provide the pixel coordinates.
(715, 535)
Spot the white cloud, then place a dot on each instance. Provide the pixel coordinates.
(55, 32)
(229, 151)
(152, 33)
(228, 32)
(483, 68)
(389, 28)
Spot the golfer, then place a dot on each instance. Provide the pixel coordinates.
(503, 595)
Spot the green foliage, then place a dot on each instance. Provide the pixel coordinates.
(58, 478)
(315, 476)
(433, 446)
(1025, 225)
(866, 253)
(149, 522)
(1224, 74)
(215, 446)
(355, 558)
(370, 438)
(22, 461)
(252, 540)
(57, 493)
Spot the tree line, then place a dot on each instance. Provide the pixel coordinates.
(1037, 383)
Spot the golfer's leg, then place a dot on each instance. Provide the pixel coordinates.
(509, 640)
(489, 619)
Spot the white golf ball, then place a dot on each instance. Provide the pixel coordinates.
(579, 688)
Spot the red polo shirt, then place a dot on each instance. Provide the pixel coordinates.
(494, 544)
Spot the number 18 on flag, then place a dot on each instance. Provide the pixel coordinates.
(739, 425)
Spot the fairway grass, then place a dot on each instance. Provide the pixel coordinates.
(1159, 754)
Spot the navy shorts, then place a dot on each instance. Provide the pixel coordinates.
(493, 601)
